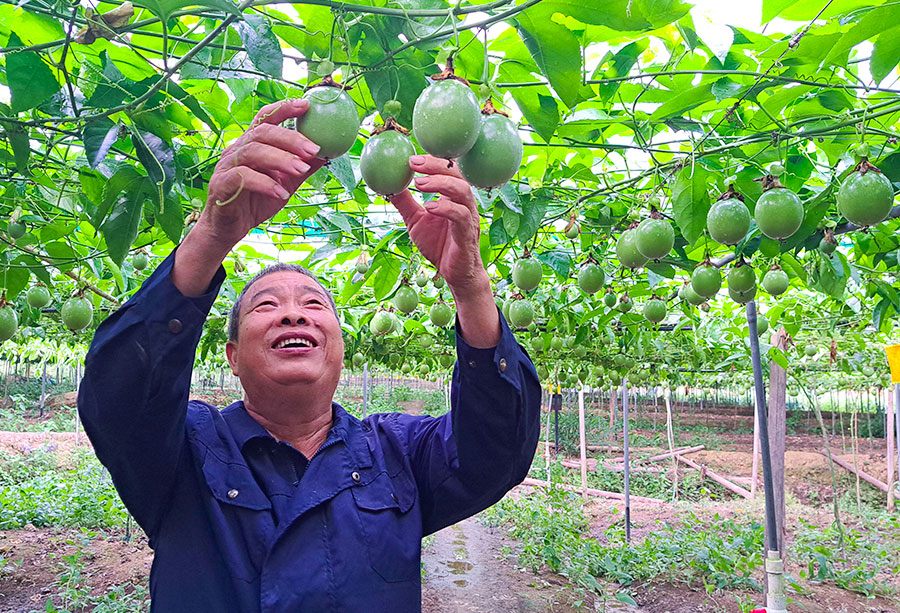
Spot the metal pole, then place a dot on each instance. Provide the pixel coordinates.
(897, 425)
(775, 599)
(627, 462)
(583, 443)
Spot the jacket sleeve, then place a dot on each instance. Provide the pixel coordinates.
(466, 460)
(133, 397)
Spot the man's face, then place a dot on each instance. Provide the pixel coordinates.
(287, 334)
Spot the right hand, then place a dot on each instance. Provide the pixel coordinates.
(258, 173)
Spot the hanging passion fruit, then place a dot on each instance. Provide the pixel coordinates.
(440, 314)
(728, 219)
(654, 237)
(331, 121)
(866, 196)
(446, 119)
(762, 324)
(9, 322)
(38, 297)
(381, 323)
(655, 310)
(741, 277)
(527, 273)
(779, 211)
(77, 313)
(521, 313)
(496, 155)
(406, 299)
(627, 251)
(742, 297)
(691, 296)
(384, 161)
(591, 278)
(775, 281)
(706, 280)
(609, 299)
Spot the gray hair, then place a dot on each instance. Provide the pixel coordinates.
(235, 314)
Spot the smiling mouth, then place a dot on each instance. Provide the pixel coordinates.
(293, 343)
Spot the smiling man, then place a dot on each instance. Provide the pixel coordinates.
(284, 501)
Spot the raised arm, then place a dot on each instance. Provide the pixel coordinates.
(133, 398)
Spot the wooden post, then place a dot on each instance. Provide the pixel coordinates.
(754, 473)
(777, 429)
(583, 443)
(627, 462)
(670, 435)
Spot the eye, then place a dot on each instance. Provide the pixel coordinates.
(265, 303)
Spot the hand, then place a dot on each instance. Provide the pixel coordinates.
(258, 173)
(445, 230)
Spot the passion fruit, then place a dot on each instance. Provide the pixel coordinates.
(496, 155)
(572, 231)
(440, 314)
(728, 221)
(706, 280)
(9, 323)
(691, 296)
(358, 360)
(627, 251)
(610, 299)
(406, 299)
(810, 350)
(827, 246)
(778, 213)
(654, 310)
(775, 281)
(391, 108)
(654, 238)
(421, 279)
(15, 229)
(762, 324)
(381, 323)
(591, 278)
(527, 273)
(741, 278)
(446, 119)
(625, 303)
(384, 162)
(38, 297)
(866, 196)
(742, 297)
(77, 313)
(521, 313)
(331, 121)
(139, 260)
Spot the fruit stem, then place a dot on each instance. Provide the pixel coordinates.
(330, 82)
(730, 193)
(388, 125)
(447, 73)
(770, 182)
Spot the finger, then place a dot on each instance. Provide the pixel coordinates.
(242, 180)
(430, 165)
(454, 188)
(281, 138)
(281, 111)
(462, 225)
(265, 158)
(406, 205)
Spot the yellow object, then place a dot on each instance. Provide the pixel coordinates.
(893, 356)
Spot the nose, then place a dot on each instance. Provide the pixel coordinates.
(287, 320)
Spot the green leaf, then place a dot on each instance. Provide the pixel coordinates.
(690, 201)
(31, 82)
(626, 598)
(881, 316)
(99, 136)
(20, 141)
(871, 25)
(539, 108)
(619, 66)
(726, 88)
(342, 170)
(533, 213)
(158, 160)
(885, 54)
(15, 278)
(559, 261)
(170, 217)
(125, 179)
(112, 88)
(121, 226)
(165, 8)
(679, 103)
(262, 46)
(773, 8)
(387, 272)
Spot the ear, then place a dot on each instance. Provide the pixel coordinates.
(231, 355)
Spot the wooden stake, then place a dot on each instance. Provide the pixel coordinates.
(889, 435)
(754, 472)
(777, 435)
(705, 471)
(860, 474)
(591, 492)
(582, 442)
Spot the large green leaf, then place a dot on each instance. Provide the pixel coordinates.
(158, 160)
(124, 180)
(99, 136)
(537, 105)
(30, 80)
(690, 201)
(885, 54)
(121, 226)
(871, 25)
(262, 46)
(166, 8)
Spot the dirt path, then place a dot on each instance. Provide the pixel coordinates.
(468, 572)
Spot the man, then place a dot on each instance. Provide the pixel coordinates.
(284, 502)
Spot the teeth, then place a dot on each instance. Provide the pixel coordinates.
(301, 342)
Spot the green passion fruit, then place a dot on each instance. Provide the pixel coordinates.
(446, 119)
(381, 323)
(9, 323)
(421, 279)
(139, 261)
(536, 344)
(15, 229)
(446, 360)
(331, 121)
(706, 280)
(591, 278)
(496, 155)
(827, 246)
(609, 299)
(38, 297)
(691, 296)
(440, 314)
(762, 324)
(778, 213)
(556, 343)
(810, 350)
(625, 303)
(527, 273)
(742, 297)
(521, 313)
(406, 299)
(654, 310)
(775, 281)
(572, 231)
(358, 360)
(391, 108)
(384, 162)
(866, 196)
(728, 221)
(77, 313)
(741, 277)
(769, 247)
(654, 238)
(627, 251)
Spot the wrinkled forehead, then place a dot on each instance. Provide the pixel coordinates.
(282, 284)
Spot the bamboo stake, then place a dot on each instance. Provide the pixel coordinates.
(591, 492)
(889, 435)
(860, 474)
(583, 442)
(670, 435)
(715, 477)
(854, 444)
(668, 454)
(754, 472)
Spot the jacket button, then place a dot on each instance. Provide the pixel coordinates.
(502, 364)
(175, 326)
(355, 476)
(232, 494)
(471, 363)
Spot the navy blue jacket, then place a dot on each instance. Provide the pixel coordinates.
(241, 522)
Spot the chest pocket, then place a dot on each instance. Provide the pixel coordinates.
(393, 534)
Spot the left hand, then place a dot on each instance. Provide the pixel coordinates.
(446, 230)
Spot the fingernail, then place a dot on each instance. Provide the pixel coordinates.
(417, 159)
(300, 165)
(431, 204)
(421, 180)
(311, 148)
(281, 192)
